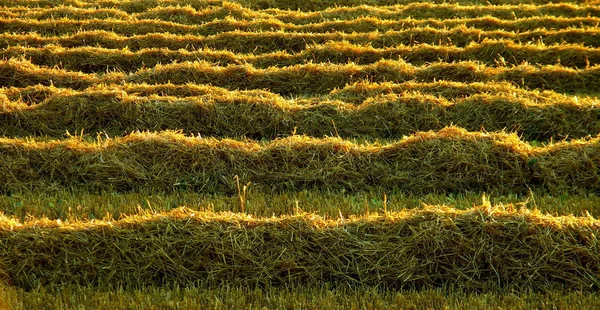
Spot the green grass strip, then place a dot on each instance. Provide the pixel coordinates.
(451, 160)
(480, 249)
(237, 297)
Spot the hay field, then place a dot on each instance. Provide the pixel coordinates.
(354, 154)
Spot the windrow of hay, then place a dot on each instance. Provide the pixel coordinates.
(480, 249)
(67, 205)
(136, 6)
(363, 24)
(259, 115)
(190, 15)
(129, 6)
(322, 78)
(316, 79)
(489, 52)
(355, 93)
(274, 41)
(451, 160)
(423, 10)
(312, 79)
(321, 5)
(20, 73)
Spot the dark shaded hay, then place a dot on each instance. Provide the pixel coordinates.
(481, 249)
(190, 15)
(357, 93)
(451, 160)
(216, 112)
(273, 41)
(136, 6)
(363, 24)
(489, 52)
(322, 78)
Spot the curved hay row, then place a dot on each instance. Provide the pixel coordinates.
(479, 249)
(490, 52)
(451, 160)
(189, 15)
(265, 42)
(136, 6)
(313, 79)
(260, 116)
(322, 78)
(355, 93)
(366, 24)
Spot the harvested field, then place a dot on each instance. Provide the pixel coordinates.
(451, 160)
(186, 246)
(299, 154)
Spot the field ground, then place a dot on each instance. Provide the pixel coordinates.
(293, 298)
(355, 154)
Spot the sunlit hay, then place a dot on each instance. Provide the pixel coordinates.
(363, 24)
(130, 6)
(451, 160)
(575, 165)
(21, 73)
(480, 249)
(187, 14)
(424, 10)
(70, 12)
(322, 78)
(135, 6)
(213, 111)
(360, 91)
(32, 95)
(322, 5)
(273, 41)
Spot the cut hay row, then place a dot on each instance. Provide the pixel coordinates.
(67, 205)
(254, 115)
(23, 73)
(322, 78)
(355, 93)
(129, 6)
(480, 249)
(137, 6)
(489, 52)
(313, 79)
(189, 15)
(424, 10)
(451, 160)
(265, 42)
(365, 24)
